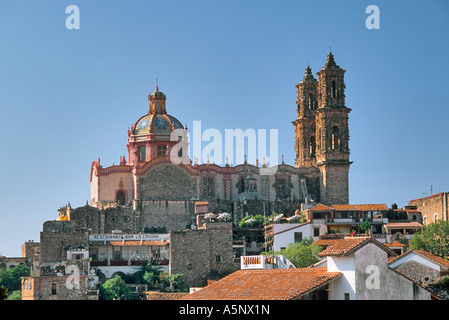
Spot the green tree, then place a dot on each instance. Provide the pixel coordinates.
(301, 254)
(434, 239)
(115, 288)
(365, 225)
(173, 282)
(15, 295)
(11, 278)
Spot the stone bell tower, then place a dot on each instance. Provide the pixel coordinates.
(332, 130)
(305, 129)
(322, 131)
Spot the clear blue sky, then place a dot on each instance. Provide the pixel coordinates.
(67, 97)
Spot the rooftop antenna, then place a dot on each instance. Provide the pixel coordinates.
(157, 85)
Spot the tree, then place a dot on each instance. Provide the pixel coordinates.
(365, 225)
(301, 254)
(434, 239)
(150, 273)
(177, 284)
(11, 278)
(15, 295)
(115, 288)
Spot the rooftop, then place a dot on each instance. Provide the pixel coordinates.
(266, 284)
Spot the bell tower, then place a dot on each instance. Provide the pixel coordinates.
(305, 131)
(332, 131)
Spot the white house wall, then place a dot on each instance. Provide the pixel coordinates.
(346, 283)
(283, 239)
(417, 258)
(376, 281)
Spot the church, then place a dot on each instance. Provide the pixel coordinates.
(152, 193)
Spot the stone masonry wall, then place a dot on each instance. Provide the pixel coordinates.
(435, 206)
(56, 237)
(202, 253)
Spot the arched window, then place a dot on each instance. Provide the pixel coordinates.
(334, 89)
(121, 198)
(312, 146)
(311, 101)
(142, 154)
(335, 138)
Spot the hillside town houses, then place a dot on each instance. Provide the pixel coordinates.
(201, 220)
(222, 268)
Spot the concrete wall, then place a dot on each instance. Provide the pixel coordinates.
(282, 240)
(376, 281)
(346, 283)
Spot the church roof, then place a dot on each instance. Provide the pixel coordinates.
(158, 123)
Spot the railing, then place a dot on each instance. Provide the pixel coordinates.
(265, 262)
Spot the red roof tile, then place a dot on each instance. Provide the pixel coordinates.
(349, 244)
(320, 207)
(267, 284)
(361, 207)
(411, 224)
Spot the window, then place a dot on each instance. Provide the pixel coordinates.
(312, 145)
(161, 150)
(120, 197)
(298, 237)
(311, 101)
(208, 190)
(334, 90)
(316, 232)
(347, 297)
(53, 288)
(142, 154)
(218, 259)
(335, 138)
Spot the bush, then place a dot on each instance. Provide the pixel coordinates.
(115, 288)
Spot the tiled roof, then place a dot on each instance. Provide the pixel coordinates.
(343, 246)
(361, 207)
(351, 207)
(266, 284)
(394, 244)
(326, 242)
(433, 257)
(320, 207)
(411, 224)
(349, 244)
(424, 254)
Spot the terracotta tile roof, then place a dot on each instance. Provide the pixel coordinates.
(138, 243)
(433, 257)
(349, 244)
(326, 242)
(267, 284)
(394, 244)
(425, 254)
(343, 246)
(411, 224)
(361, 207)
(320, 207)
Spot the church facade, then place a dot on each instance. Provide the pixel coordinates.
(156, 193)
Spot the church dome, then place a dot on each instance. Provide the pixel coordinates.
(157, 120)
(156, 123)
